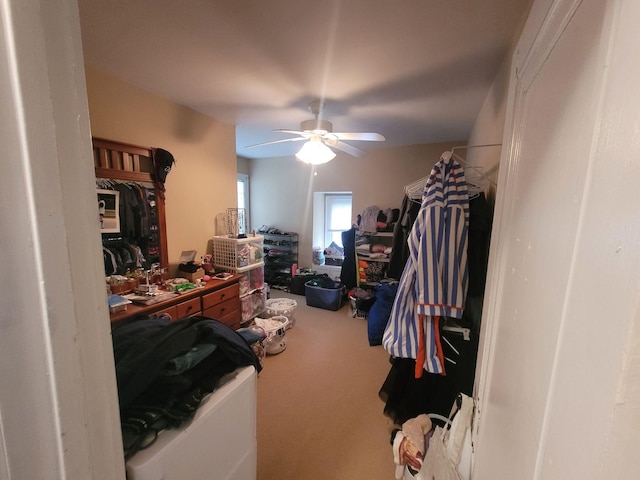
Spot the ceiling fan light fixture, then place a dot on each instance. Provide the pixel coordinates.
(320, 139)
(316, 125)
(314, 152)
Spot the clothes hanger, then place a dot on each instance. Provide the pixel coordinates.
(476, 180)
(104, 183)
(414, 190)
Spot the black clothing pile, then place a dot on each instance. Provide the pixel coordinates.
(323, 281)
(165, 368)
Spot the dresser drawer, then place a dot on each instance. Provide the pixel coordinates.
(223, 309)
(211, 299)
(188, 308)
(227, 312)
(231, 320)
(171, 311)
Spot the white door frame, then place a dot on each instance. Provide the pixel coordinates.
(58, 398)
(580, 420)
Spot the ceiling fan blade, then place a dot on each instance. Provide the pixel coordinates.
(368, 137)
(293, 139)
(356, 152)
(295, 132)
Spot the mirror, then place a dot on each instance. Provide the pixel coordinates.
(137, 227)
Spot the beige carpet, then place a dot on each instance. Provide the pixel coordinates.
(319, 415)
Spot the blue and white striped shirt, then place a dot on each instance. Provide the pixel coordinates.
(435, 279)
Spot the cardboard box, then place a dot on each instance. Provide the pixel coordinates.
(192, 276)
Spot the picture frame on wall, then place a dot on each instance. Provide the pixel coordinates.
(108, 210)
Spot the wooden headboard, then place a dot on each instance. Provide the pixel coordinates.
(132, 163)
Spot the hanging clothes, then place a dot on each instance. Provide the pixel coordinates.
(369, 220)
(435, 278)
(401, 230)
(139, 237)
(480, 220)
(349, 271)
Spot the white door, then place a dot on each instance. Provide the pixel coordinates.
(561, 338)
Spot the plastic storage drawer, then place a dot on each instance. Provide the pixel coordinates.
(233, 253)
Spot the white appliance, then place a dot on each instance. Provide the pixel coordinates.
(219, 444)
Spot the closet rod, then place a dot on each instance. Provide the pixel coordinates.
(448, 154)
(477, 146)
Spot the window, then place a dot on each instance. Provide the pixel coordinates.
(337, 217)
(243, 197)
(331, 217)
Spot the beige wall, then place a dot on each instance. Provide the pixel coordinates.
(282, 188)
(244, 165)
(202, 182)
(488, 130)
(489, 125)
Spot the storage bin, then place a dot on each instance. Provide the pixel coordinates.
(252, 305)
(252, 278)
(333, 260)
(322, 297)
(236, 252)
(298, 283)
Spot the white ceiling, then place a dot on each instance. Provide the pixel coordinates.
(416, 71)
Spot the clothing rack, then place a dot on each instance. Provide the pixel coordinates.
(414, 189)
(108, 183)
(112, 240)
(446, 156)
(481, 182)
(477, 182)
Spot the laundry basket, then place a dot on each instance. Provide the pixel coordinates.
(355, 311)
(276, 328)
(282, 306)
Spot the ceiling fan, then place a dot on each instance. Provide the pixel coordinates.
(320, 136)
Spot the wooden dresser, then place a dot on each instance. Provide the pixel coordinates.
(219, 299)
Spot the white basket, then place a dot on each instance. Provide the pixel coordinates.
(233, 253)
(275, 327)
(282, 306)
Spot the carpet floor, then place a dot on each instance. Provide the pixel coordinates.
(319, 416)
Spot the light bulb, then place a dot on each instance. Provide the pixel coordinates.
(314, 152)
